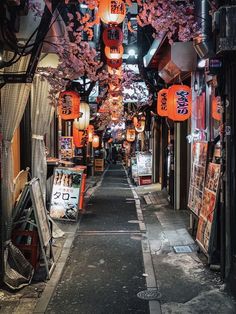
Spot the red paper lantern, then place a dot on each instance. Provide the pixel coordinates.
(216, 108)
(162, 102)
(69, 105)
(179, 102)
(77, 137)
(112, 36)
(114, 52)
(90, 130)
(130, 135)
(114, 63)
(96, 141)
(111, 11)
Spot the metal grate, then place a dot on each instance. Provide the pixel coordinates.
(151, 294)
(182, 249)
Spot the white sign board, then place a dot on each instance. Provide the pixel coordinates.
(66, 193)
(144, 162)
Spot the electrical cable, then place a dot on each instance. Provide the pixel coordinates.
(22, 53)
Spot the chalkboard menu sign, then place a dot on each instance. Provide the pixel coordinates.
(144, 164)
(66, 192)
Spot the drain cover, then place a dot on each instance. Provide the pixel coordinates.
(182, 249)
(151, 294)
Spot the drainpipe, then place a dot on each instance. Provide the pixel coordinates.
(203, 43)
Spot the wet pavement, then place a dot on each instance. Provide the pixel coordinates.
(125, 243)
(104, 271)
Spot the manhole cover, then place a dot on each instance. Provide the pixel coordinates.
(182, 249)
(152, 294)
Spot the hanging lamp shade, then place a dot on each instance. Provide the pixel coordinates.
(130, 135)
(114, 52)
(83, 122)
(162, 102)
(114, 63)
(179, 102)
(77, 137)
(111, 11)
(69, 105)
(95, 142)
(112, 36)
(90, 131)
(140, 126)
(216, 108)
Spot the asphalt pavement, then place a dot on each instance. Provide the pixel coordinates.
(104, 271)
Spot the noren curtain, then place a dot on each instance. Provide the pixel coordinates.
(41, 117)
(13, 101)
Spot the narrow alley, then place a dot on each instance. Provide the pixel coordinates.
(117, 156)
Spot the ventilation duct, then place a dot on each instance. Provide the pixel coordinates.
(178, 60)
(203, 43)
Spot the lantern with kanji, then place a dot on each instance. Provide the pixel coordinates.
(111, 11)
(112, 36)
(95, 142)
(69, 105)
(83, 121)
(130, 135)
(179, 102)
(162, 102)
(114, 52)
(90, 131)
(77, 137)
(114, 63)
(216, 108)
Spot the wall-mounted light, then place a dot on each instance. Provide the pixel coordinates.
(201, 63)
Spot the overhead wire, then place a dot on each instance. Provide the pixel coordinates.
(27, 45)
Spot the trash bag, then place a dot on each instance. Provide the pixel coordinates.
(18, 271)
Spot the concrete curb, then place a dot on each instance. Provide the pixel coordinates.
(154, 305)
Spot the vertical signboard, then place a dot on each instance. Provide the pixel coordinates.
(66, 192)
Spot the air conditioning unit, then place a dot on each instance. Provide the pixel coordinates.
(224, 24)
